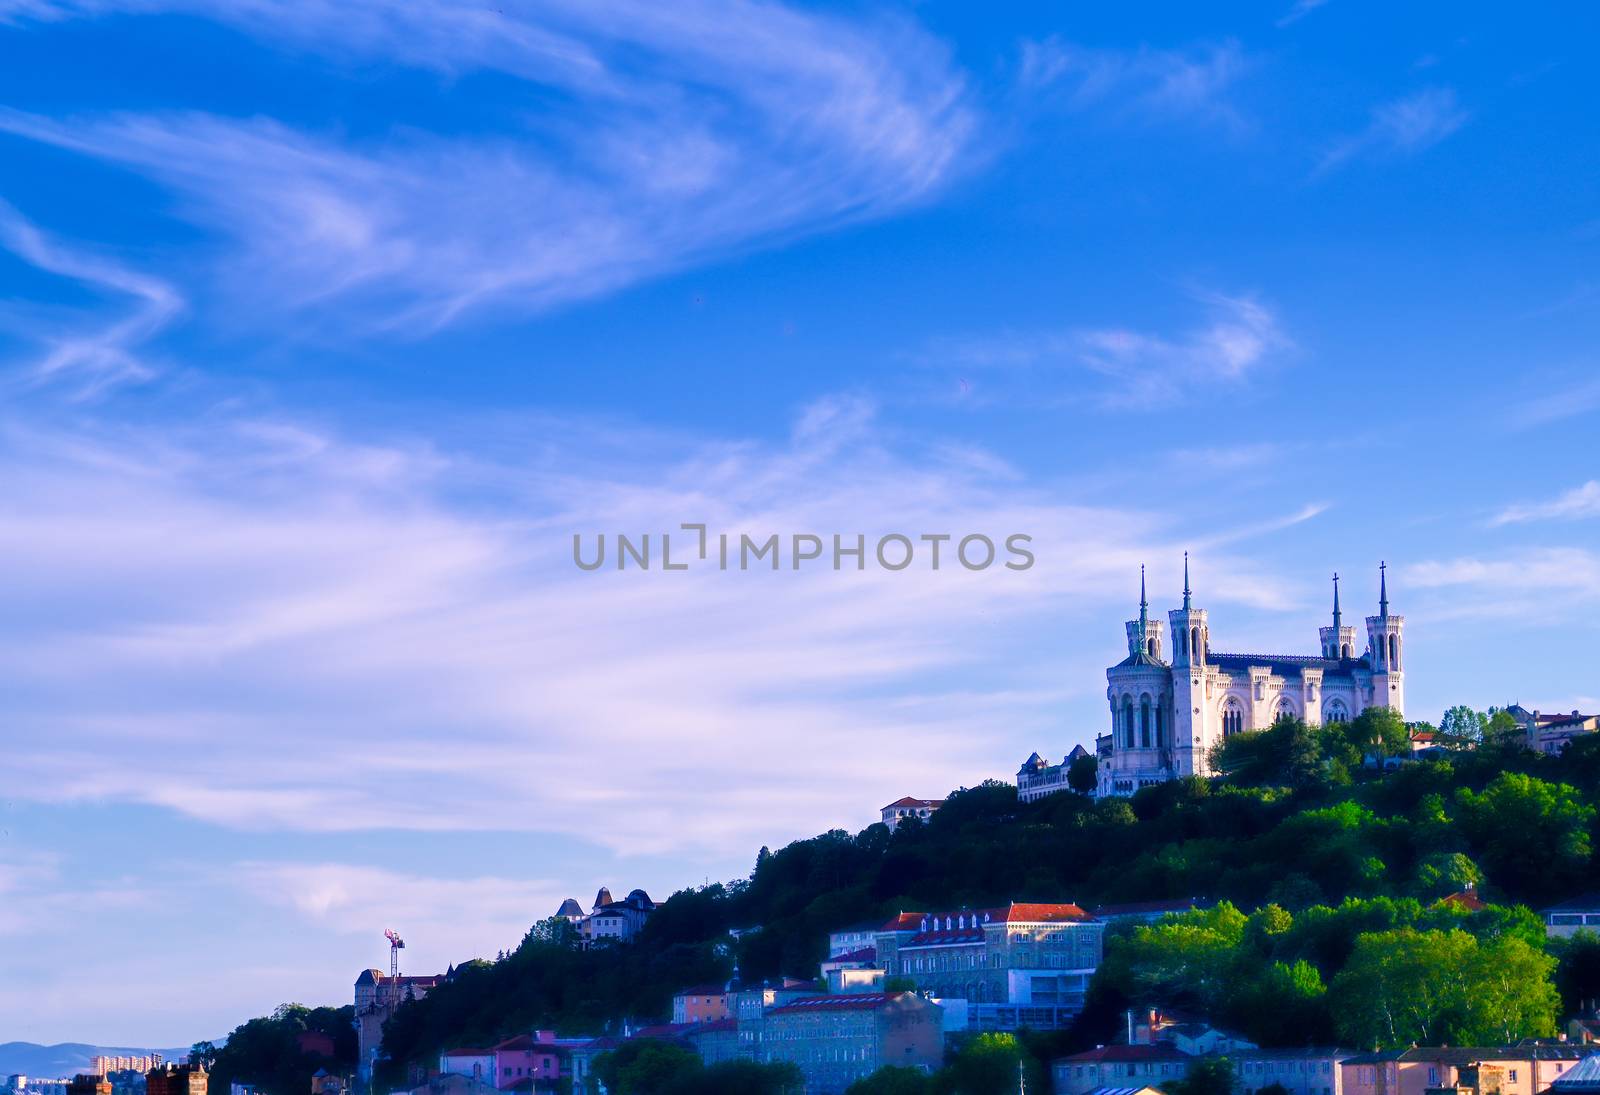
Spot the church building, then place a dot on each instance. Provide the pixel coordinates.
(1169, 708)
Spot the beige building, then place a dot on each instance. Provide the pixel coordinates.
(837, 1040)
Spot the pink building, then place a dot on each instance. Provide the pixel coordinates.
(527, 1057)
(1506, 1070)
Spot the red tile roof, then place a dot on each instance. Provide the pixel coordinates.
(467, 1053)
(915, 802)
(1465, 900)
(864, 954)
(904, 922)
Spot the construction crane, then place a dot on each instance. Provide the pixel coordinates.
(396, 945)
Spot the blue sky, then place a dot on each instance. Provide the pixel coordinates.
(324, 327)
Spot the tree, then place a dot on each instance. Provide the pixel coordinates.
(1381, 731)
(1577, 970)
(1463, 724)
(893, 1080)
(1083, 774)
(1207, 1076)
(647, 1066)
(1446, 873)
(1442, 988)
(741, 1078)
(988, 1065)
(1532, 836)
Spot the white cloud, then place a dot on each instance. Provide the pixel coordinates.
(293, 631)
(728, 123)
(1567, 403)
(93, 359)
(474, 916)
(1583, 501)
(1238, 337)
(1402, 126)
(1534, 584)
(1299, 11)
(1144, 83)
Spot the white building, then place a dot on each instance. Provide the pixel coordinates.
(1167, 714)
(897, 811)
(616, 921)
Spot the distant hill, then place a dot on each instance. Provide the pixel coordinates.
(65, 1059)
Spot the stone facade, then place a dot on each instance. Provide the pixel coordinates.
(1024, 965)
(837, 1040)
(1168, 713)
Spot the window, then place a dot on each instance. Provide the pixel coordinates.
(1232, 718)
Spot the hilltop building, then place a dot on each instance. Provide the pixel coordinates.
(1554, 731)
(377, 997)
(1167, 712)
(608, 920)
(902, 808)
(1038, 777)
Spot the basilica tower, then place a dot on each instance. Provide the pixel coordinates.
(1192, 729)
(1386, 639)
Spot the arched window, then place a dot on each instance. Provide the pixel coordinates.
(1344, 651)
(1144, 722)
(1194, 644)
(1336, 712)
(1284, 710)
(1127, 722)
(1232, 719)
(1394, 651)
(1150, 647)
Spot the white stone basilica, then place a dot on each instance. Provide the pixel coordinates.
(1167, 715)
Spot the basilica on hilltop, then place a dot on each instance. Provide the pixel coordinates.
(1171, 703)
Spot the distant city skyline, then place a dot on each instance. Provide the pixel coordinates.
(323, 333)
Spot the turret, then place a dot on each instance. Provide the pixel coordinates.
(1386, 648)
(1190, 634)
(1144, 634)
(1338, 641)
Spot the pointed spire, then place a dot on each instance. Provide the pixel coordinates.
(1336, 620)
(1186, 580)
(1383, 590)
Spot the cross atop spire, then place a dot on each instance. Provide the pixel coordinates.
(1383, 590)
(1186, 579)
(1144, 605)
(1336, 620)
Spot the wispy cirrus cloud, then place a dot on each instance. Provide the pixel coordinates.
(1579, 502)
(1123, 366)
(87, 356)
(1299, 11)
(685, 131)
(1402, 127)
(235, 585)
(1567, 402)
(1536, 584)
(1146, 83)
